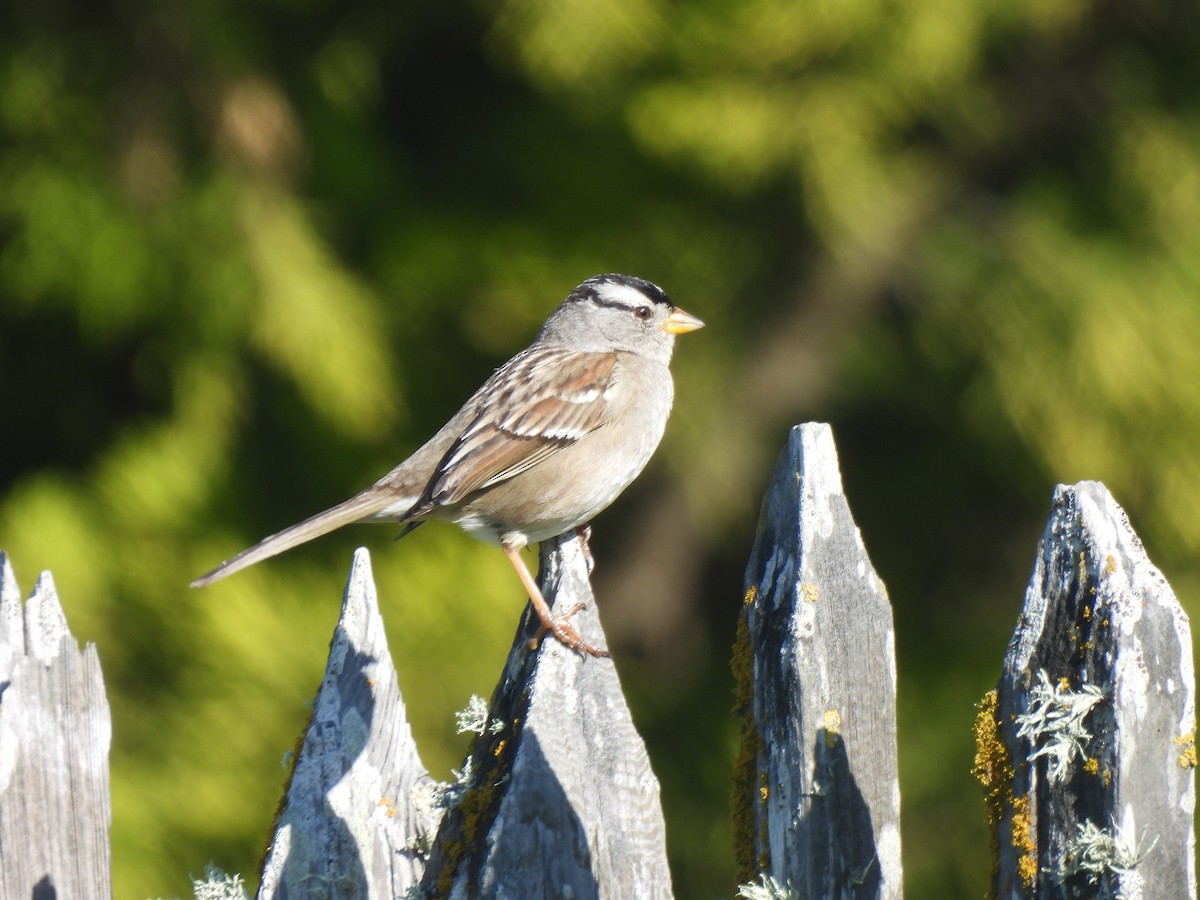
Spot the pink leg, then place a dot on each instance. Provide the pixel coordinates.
(556, 625)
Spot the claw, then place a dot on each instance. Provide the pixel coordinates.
(565, 634)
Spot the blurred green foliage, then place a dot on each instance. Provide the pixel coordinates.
(252, 254)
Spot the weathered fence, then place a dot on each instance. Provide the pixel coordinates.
(1087, 745)
(817, 791)
(55, 732)
(1086, 749)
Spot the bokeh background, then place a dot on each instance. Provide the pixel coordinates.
(251, 254)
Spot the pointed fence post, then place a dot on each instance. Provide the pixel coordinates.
(560, 799)
(358, 807)
(55, 734)
(817, 796)
(1087, 747)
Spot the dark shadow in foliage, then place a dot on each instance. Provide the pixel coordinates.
(836, 833)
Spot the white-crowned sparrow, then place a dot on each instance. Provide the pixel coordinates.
(550, 440)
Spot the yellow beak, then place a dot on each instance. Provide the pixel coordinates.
(680, 322)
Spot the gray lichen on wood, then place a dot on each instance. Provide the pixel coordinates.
(357, 808)
(1098, 617)
(818, 788)
(562, 800)
(55, 735)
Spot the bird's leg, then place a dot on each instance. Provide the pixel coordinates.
(584, 533)
(556, 625)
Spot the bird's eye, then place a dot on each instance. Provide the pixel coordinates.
(644, 313)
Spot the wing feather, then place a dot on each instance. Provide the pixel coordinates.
(541, 401)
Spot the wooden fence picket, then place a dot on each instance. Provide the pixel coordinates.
(55, 733)
(355, 812)
(817, 788)
(562, 792)
(1087, 747)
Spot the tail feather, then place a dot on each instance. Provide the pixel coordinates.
(357, 508)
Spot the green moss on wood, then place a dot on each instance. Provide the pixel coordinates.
(749, 787)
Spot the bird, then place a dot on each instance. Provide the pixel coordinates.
(550, 440)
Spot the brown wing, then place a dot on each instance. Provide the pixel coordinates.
(539, 402)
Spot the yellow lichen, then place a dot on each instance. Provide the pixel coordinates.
(1023, 840)
(809, 592)
(1187, 758)
(1110, 565)
(832, 722)
(993, 769)
(751, 595)
(1092, 766)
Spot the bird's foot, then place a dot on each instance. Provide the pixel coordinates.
(560, 627)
